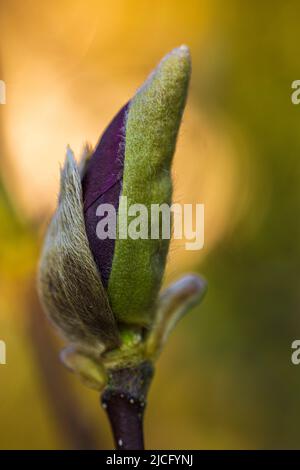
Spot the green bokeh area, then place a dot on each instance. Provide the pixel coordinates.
(226, 379)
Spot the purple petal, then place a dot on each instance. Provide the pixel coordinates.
(102, 184)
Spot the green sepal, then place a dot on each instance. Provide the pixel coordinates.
(151, 130)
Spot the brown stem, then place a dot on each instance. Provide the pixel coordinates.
(124, 400)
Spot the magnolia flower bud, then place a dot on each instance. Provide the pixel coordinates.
(133, 159)
(102, 293)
